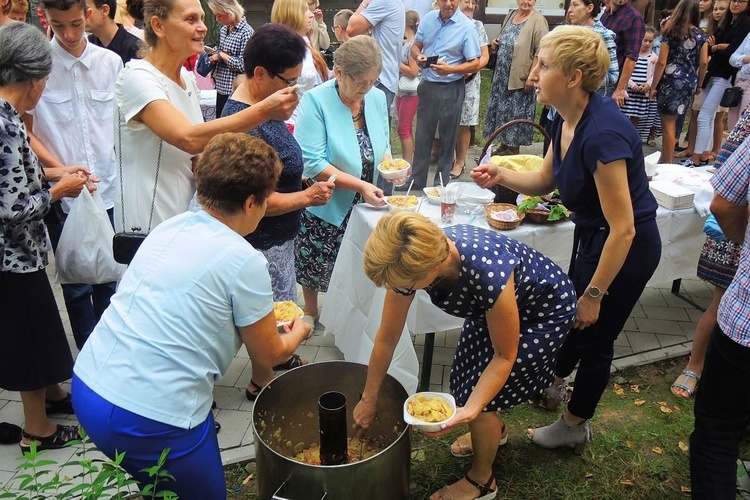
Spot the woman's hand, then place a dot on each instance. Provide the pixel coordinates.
(364, 415)
(372, 195)
(652, 94)
(69, 186)
(588, 312)
(462, 416)
(280, 105)
(486, 175)
(319, 193)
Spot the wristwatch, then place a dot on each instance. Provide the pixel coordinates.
(595, 292)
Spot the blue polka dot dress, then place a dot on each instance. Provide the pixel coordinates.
(546, 305)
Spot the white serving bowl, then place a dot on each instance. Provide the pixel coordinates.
(394, 174)
(431, 194)
(429, 426)
(411, 208)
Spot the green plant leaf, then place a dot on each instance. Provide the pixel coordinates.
(529, 203)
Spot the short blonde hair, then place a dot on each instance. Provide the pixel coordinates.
(358, 56)
(579, 47)
(231, 7)
(403, 249)
(290, 12)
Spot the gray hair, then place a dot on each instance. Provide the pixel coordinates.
(25, 54)
(231, 7)
(358, 55)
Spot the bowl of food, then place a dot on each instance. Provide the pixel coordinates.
(432, 194)
(400, 202)
(395, 168)
(428, 411)
(285, 312)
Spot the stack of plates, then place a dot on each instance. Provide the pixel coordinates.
(672, 196)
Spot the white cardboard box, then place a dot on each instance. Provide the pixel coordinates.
(671, 195)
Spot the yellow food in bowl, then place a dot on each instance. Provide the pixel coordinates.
(394, 165)
(286, 311)
(432, 192)
(433, 409)
(403, 201)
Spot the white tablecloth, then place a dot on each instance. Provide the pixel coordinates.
(353, 305)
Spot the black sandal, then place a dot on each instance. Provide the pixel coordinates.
(252, 396)
(60, 407)
(485, 492)
(62, 436)
(294, 362)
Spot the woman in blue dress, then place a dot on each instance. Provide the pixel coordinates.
(519, 306)
(596, 161)
(680, 70)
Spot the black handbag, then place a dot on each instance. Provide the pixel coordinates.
(204, 67)
(732, 97)
(125, 244)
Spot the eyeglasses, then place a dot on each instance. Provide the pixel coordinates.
(739, 1)
(368, 83)
(408, 292)
(293, 81)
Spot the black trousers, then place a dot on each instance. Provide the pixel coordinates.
(593, 348)
(221, 101)
(439, 109)
(722, 412)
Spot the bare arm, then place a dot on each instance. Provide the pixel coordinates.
(262, 339)
(169, 124)
(504, 326)
(358, 23)
(531, 183)
(661, 63)
(395, 309)
(411, 70)
(731, 218)
(612, 184)
(371, 193)
(627, 70)
(282, 203)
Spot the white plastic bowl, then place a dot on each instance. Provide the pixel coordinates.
(394, 174)
(429, 426)
(412, 208)
(432, 197)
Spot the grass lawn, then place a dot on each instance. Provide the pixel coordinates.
(639, 450)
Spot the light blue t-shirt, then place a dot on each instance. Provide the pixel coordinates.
(388, 21)
(171, 329)
(455, 41)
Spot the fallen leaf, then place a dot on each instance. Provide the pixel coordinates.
(247, 479)
(588, 475)
(662, 403)
(656, 450)
(620, 392)
(640, 402)
(627, 482)
(617, 387)
(684, 447)
(635, 388)
(665, 409)
(630, 444)
(677, 408)
(685, 489)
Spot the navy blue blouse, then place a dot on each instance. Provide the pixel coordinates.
(278, 229)
(603, 134)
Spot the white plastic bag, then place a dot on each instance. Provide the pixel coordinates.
(84, 252)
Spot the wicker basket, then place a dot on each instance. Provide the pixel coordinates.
(538, 216)
(501, 225)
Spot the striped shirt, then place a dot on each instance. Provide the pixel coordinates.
(731, 183)
(613, 73)
(233, 44)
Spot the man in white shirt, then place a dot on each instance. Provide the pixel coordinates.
(73, 122)
(386, 18)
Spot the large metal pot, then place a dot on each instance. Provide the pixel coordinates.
(286, 413)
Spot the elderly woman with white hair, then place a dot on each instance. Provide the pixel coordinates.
(34, 353)
(234, 34)
(342, 129)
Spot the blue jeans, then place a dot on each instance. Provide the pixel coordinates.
(194, 459)
(85, 303)
(722, 412)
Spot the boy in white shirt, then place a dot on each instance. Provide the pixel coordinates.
(73, 123)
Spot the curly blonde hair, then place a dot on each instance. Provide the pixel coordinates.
(403, 249)
(579, 47)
